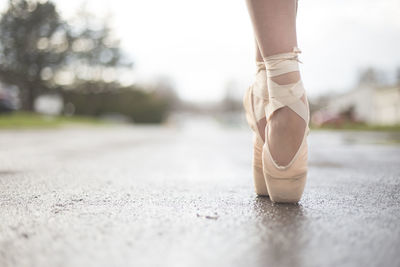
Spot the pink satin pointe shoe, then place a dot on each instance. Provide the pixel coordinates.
(285, 183)
(254, 102)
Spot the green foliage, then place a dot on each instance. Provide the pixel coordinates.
(32, 120)
(357, 126)
(37, 46)
(97, 99)
(42, 53)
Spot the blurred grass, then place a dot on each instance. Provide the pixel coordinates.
(359, 127)
(34, 120)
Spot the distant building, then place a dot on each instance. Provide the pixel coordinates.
(386, 105)
(49, 104)
(378, 105)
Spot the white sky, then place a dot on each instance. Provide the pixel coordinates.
(202, 45)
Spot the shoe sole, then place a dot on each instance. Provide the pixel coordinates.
(286, 190)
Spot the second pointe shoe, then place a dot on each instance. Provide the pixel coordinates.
(254, 102)
(286, 183)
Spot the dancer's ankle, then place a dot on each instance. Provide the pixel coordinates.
(287, 78)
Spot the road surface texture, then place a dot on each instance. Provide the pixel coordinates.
(183, 196)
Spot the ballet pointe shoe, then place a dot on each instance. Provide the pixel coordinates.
(286, 183)
(254, 102)
(258, 174)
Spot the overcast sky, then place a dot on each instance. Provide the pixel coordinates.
(202, 45)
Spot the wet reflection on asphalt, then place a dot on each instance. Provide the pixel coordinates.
(149, 196)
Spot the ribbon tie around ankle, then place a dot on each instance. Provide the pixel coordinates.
(287, 94)
(282, 63)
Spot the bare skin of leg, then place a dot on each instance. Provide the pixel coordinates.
(259, 57)
(274, 23)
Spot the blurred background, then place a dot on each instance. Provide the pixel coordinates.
(123, 140)
(159, 62)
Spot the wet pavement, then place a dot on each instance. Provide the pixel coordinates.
(167, 196)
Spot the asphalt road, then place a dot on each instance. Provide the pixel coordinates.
(168, 196)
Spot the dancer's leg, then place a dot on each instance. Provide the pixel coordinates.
(259, 57)
(274, 23)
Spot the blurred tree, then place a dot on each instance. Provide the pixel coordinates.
(370, 76)
(398, 76)
(135, 103)
(163, 88)
(40, 52)
(231, 102)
